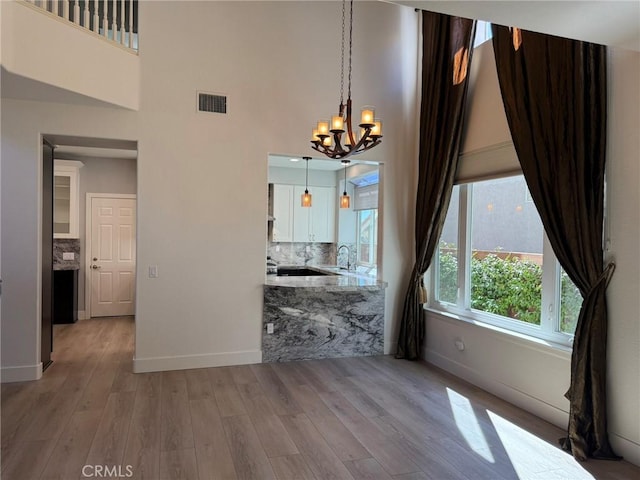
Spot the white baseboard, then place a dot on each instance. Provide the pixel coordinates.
(531, 404)
(82, 315)
(160, 364)
(626, 448)
(21, 374)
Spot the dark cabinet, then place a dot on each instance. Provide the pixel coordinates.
(65, 296)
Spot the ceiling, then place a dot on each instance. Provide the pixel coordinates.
(614, 23)
(70, 147)
(317, 163)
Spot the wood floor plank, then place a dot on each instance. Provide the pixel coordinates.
(227, 396)
(198, 384)
(23, 464)
(268, 425)
(110, 440)
(72, 448)
(212, 450)
(367, 469)
(290, 467)
(125, 380)
(176, 432)
(322, 460)
(381, 446)
(143, 442)
(97, 391)
(249, 457)
(279, 396)
(178, 465)
(242, 374)
(339, 438)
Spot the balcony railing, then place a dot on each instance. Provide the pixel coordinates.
(114, 20)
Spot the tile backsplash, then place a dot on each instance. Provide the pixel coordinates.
(302, 253)
(66, 245)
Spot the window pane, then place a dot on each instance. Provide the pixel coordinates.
(448, 253)
(506, 245)
(367, 241)
(570, 304)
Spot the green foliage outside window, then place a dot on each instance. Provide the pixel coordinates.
(510, 287)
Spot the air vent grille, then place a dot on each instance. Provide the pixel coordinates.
(208, 102)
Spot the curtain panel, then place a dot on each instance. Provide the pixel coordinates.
(446, 58)
(554, 92)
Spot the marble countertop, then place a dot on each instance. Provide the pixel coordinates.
(66, 266)
(340, 280)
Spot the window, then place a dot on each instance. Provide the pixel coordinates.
(495, 264)
(367, 237)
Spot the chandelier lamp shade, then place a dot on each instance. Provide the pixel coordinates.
(305, 198)
(345, 200)
(336, 138)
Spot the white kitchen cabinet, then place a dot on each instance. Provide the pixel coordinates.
(315, 223)
(283, 199)
(66, 193)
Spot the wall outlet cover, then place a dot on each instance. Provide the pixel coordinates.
(68, 256)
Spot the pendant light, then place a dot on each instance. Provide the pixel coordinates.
(305, 198)
(345, 200)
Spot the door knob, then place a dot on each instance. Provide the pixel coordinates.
(95, 259)
(96, 267)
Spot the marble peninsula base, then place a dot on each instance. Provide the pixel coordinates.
(317, 322)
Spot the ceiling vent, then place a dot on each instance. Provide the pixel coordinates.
(208, 102)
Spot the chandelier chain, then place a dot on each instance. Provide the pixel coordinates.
(342, 58)
(350, 45)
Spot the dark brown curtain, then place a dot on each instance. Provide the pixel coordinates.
(446, 60)
(554, 92)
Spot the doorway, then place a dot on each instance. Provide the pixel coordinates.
(108, 169)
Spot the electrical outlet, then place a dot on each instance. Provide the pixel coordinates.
(269, 328)
(68, 256)
(153, 271)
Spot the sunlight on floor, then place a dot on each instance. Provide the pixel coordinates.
(468, 425)
(529, 454)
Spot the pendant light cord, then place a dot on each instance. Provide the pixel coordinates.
(306, 181)
(350, 45)
(345, 179)
(342, 57)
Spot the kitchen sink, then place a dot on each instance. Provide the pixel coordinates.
(301, 272)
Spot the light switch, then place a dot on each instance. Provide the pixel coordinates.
(68, 256)
(153, 271)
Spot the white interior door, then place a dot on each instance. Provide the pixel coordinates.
(113, 256)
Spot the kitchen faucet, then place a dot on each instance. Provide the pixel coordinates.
(348, 255)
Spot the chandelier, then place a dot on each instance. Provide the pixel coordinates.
(331, 138)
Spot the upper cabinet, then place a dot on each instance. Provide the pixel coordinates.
(66, 193)
(294, 223)
(282, 213)
(315, 223)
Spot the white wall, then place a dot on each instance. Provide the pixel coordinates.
(100, 175)
(297, 176)
(536, 377)
(23, 124)
(206, 306)
(47, 49)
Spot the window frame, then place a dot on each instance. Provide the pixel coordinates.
(549, 328)
(374, 236)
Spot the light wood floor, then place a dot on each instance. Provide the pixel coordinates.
(359, 418)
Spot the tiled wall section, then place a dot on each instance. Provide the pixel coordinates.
(62, 245)
(303, 253)
(311, 254)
